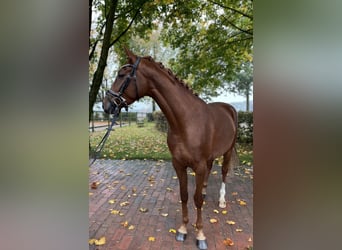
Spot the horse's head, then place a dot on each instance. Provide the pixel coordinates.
(124, 90)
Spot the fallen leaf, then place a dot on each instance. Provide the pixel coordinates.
(224, 212)
(242, 203)
(91, 241)
(230, 222)
(238, 230)
(125, 223)
(90, 194)
(143, 210)
(100, 242)
(214, 173)
(216, 211)
(94, 185)
(111, 201)
(193, 173)
(174, 177)
(134, 190)
(123, 188)
(115, 212)
(213, 220)
(250, 239)
(169, 189)
(228, 242)
(125, 203)
(172, 230)
(151, 238)
(164, 214)
(131, 227)
(235, 193)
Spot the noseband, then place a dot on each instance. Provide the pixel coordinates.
(116, 98)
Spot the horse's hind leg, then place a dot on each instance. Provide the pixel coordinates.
(225, 168)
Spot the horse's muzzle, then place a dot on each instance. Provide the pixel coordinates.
(109, 107)
(113, 101)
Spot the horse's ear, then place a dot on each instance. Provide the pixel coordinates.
(129, 53)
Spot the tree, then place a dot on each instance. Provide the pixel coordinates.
(116, 18)
(214, 40)
(244, 82)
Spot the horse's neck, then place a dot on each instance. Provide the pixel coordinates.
(176, 102)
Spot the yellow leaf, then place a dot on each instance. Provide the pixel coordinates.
(235, 193)
(143, 210)
(238, 230)
(216, 211)
(123, 188)
(131, 227)
(193, 173)
(230, 222)
(214, 172)
(125, 203)
(169, 189)
(115, 212)
(172, 230)
(90, 194)
(100, 242)
(151, 238)
(213, 220)
(164, 214)
(228, 242)
(224, 212)
(125, 223)
(111, 201)
(91, 241)
(174, 177)
(250, 239)
(242, 203)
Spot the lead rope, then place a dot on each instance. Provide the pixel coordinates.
(105, 137)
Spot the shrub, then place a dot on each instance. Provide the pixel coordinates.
(245, 129)
(160, 120)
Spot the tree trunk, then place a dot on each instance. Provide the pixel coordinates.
(98, 75)
(247, 101)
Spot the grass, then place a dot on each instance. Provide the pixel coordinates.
(133, 142)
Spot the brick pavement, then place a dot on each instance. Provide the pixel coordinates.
(135, 200)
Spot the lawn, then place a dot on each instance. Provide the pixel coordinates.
(133, 142)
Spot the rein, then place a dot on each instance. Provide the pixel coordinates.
(99, 147)
(119, 102)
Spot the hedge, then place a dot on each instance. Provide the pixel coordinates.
(245, 130)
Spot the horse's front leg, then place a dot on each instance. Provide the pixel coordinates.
(183, 187)
(198, 198)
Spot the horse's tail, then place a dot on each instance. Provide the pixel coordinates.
(234, 159)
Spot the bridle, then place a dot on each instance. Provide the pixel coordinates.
(116, 98)
(117, 101)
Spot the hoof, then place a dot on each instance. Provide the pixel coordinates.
(180, 237)
(222, 204)
(202, 244)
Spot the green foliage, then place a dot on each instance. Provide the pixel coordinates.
(245, 130)
(214, 40)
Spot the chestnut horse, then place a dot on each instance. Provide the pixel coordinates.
(198, 132)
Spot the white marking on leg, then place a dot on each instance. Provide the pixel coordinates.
(200, 235)
(222, 201)
(182, 229)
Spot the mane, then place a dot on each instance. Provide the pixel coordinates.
(174, 76)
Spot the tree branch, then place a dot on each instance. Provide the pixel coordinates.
(232, 9)
(93, 46)
(238, 28)
(127, 28)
